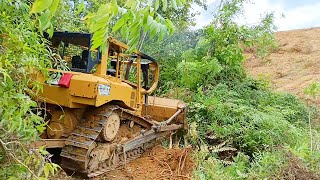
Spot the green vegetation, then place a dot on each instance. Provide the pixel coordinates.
(24, 49)
(21, 49)
(240, 128)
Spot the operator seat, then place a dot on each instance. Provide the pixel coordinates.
(84, 60)
(75, 61)
(111, 72)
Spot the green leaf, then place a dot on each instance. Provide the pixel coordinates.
(179, 3)
(53, 7)
(80, 7)
(114, 7)
(124, 32)
(145, 17)
(161, 19)
(135, 5)
(174, 4)
(50, 30)
(129, 3)
(156, 5)
(44, 20)
(46, 170)
(120, 23)
(103, 10)
(135, 31)
(132, 42)
(164, 5)
(170, 26)
(149, 21)
(98, 35)
(40, 5)
(163, 31)
(99, 25)
(153, 30)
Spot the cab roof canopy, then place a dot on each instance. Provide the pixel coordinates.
(83, 39)
(79, 39)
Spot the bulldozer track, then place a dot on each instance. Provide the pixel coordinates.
(81, 151)
(122, 158)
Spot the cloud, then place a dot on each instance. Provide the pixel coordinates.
(295, 17)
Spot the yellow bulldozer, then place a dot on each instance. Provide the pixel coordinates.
(99, 112)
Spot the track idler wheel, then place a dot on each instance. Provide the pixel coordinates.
(111, 127)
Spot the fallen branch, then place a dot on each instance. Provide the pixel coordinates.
(161, 162)
(7, 152)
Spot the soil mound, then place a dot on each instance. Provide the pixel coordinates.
(159, 163)
(295, 64)
(297, 171)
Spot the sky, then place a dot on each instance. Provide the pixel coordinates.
(289, 14)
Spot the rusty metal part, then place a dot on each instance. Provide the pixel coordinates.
(140, 140)
(172, 117)
(85, 151)
(121, 158)
(144, 122)
(131, 124)
(48, 143)
(54, 130)
(62, 121)
(164, 109)
(111, 127)
(170, 127)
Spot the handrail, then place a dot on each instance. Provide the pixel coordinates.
(156, 79)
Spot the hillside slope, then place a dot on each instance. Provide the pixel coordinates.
(295, 64)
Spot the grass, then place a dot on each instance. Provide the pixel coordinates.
(264, 127)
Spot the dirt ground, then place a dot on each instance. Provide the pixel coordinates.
(296, 170)
(294, 65)
(158, 163)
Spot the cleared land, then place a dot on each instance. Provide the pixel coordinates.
(294, 65)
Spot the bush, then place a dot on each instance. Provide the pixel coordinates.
(242, 129)
(22, 49)
(252, 118)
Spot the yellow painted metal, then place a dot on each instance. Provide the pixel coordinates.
(84, 86)
(102, 67)
(138, 100)
(161, 109)
(156, 79)
(118, 66)
(98, 88)
(84, 90)
(62, 121)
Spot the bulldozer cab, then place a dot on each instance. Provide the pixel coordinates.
(137, 69)
(75, 49)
